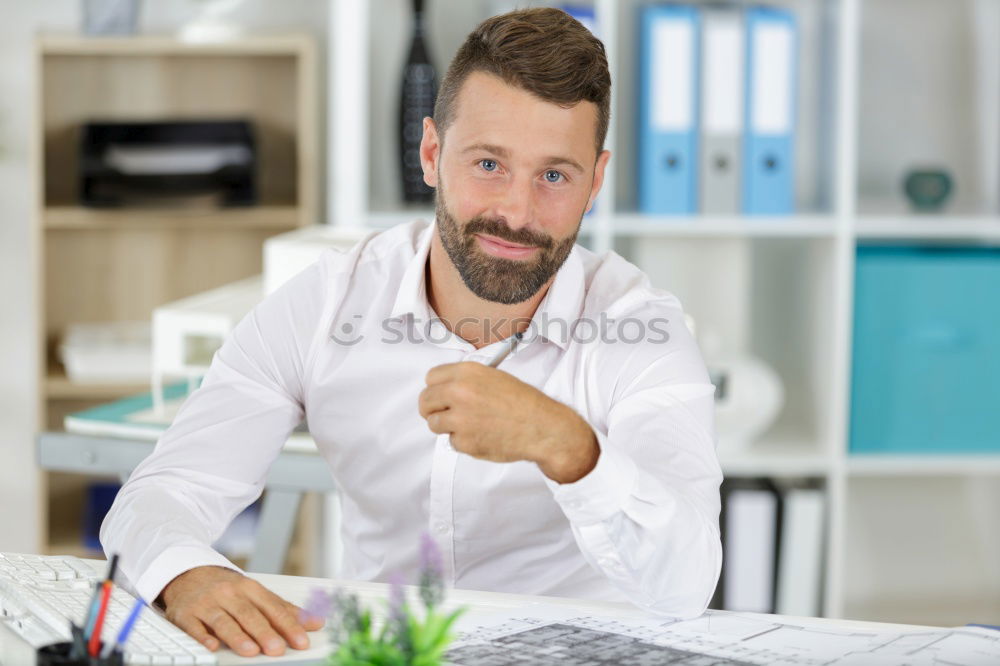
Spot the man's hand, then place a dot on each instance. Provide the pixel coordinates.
(492, 415)
(214, 603)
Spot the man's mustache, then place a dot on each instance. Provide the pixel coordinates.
(481, 225)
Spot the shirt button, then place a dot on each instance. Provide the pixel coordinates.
(441, 527)
(576, 505)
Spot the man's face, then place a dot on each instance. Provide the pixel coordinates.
(514, 178)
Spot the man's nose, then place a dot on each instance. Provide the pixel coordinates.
(517, 203)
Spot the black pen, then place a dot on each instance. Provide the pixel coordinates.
(79, 649)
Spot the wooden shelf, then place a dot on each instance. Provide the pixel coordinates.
(924, 465)
(379, 220)
(279, 218)
(779, 455)
(251, 44)
(60, 387)
(941, 227)
(792, 226)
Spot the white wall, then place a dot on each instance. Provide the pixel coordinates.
(19, 21)
(19, 528)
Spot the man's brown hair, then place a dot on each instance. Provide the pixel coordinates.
(543, 51)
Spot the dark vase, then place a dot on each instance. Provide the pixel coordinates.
(416, 101)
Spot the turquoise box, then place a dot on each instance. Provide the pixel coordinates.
(926, 364)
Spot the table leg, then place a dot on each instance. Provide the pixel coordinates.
(274, 531)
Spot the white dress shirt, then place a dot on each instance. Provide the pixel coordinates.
(347, 344)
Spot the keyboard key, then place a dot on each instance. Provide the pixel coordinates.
(80, 567)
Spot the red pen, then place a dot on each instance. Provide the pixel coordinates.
(94, 646)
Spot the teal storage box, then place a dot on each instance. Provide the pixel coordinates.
(926, 365)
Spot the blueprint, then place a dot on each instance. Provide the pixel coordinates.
(554, 635)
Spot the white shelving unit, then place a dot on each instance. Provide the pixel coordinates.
(779, 288)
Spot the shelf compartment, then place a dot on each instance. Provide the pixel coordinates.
(816, 97)
(928, 100)
(742, 301)
(164, 79)
(922, 550)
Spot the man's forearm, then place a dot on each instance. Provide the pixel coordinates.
(571, 450)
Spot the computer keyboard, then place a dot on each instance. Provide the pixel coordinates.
(40, 595)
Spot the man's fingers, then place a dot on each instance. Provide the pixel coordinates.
(441, 422)
(230, 632)
(432, 399)
(440, 373)
(309, 622)
(194, 628)
(278, 614)
(253, 621)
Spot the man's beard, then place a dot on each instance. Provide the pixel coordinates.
(506, 281)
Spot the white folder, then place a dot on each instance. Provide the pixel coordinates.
(749, 559)
(800, 558)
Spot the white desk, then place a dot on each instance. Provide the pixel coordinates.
(480, 607)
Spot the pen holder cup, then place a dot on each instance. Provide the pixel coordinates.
(59, 654)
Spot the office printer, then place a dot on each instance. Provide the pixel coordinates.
(167, 162)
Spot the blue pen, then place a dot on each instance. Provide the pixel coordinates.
(91, 619)
(125, 630)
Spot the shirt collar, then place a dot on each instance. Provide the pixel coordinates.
(553, 320)
(412, 295)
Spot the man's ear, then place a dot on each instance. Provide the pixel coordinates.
(430, 152)
(602, 163)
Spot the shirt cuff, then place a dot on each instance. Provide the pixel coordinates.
(174, 561)
(601, 493)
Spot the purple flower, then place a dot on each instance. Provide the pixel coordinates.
(319, 604)
(431, 572)
(399, 622)
(430, 556)
(397, 597)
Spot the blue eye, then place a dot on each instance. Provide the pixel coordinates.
(488, 165)
(552, 172)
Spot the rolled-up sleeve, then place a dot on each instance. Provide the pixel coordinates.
(647, 515)
(212, 461)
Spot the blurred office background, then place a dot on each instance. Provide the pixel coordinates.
(844, 293)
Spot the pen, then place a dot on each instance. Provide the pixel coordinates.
(88, 623)
(95, 637)
(503, 353)
(79, 648)
(125, 630)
